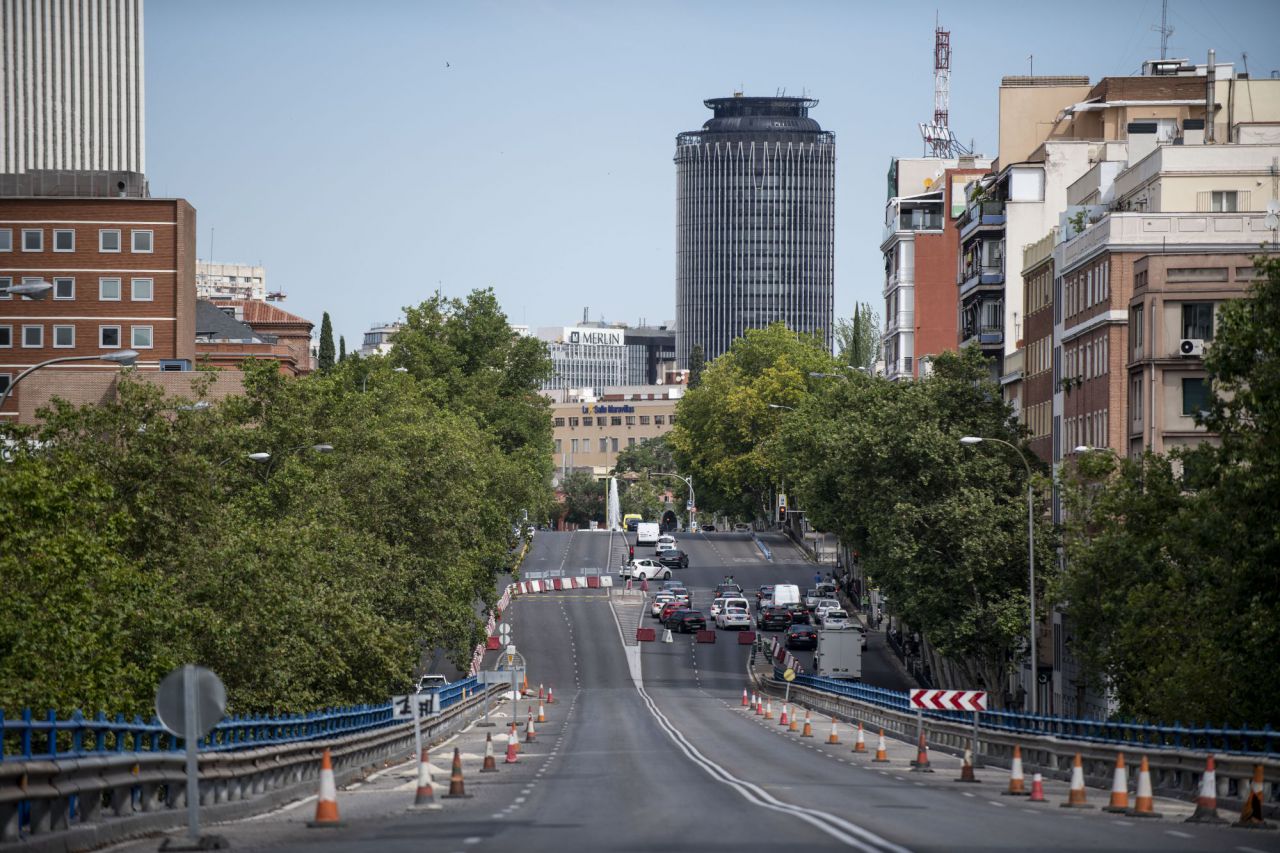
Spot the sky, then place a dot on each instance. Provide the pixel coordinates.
(371, 153)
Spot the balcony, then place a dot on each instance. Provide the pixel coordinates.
(981, 216)
(986, 337)
(978, 277)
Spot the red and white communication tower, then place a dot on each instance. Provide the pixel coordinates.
(939, 140)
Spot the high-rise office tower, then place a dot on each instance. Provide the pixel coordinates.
(71, 86)
(755, 205)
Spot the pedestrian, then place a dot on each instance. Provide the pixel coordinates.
(817, 577)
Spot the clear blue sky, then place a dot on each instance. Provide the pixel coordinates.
(330, 142)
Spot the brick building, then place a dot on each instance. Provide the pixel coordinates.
(123, 276)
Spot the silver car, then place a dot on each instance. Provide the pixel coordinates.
(834, 619)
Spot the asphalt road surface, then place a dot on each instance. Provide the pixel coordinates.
(647, 748)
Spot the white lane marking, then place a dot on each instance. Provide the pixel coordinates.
(844, 831)
(475, 839)
(992, 802)
(1250, 850)
(967, 794)
(1177, 834)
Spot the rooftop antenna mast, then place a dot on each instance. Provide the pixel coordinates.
(1164, 29)
(938, 138)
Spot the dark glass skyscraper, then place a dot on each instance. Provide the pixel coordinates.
(755, 196)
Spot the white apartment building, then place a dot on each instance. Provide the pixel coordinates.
(230, 281)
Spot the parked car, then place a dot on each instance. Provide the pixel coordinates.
(833, 619)
(687, 621)
(773, 619)
(674, 558)
(734, 618)
(649, 569)
(802, 637)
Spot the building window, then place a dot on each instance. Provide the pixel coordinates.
(657, 420)
(109, 240)
(64, 240)
(64, 288)
(64, 337)
(559, 422)
(141, 241)
(615, 445)
(33, 336)
(631, 441)
(5, 284)
(631, 420)
(573, 422)
(109, 337)
(109, 289)
(644, 421)
(143, 289)
(1195, 396)
(558, 448)
(604, 445)
(32, 240)
(6, 239)
(1224, 201)
(586, 421)
(1135, 330)
(5, 380)
(141, 337)
(600, 422)
(1135, 398)
(672, 420)
(6, 337)
(1197, 320)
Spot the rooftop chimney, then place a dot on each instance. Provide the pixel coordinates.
(1211, 78)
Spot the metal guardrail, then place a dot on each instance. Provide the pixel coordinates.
(75, 803)
(27, 737)
(764, 549)
(1049, 744)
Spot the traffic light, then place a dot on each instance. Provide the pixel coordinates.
(782, 516)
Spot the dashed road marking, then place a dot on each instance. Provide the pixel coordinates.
(996, 804)
(1175, 833)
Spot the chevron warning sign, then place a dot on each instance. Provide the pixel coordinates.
(949, 700)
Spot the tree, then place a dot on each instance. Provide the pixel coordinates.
(583, 498)
(697, 363)
(649, 454)
(725, 426)
(642, 496)
(858, 341)
(326, 360)
(342, 348)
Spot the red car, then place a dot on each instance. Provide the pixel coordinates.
(671, 607)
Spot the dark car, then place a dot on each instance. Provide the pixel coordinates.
(766, 591)
(709, 528)
(687, 621)
(725, 590)
(674, 559)
(773, 619)
(799, 614)
(802, 637)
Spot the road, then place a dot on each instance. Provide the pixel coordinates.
(647, 748)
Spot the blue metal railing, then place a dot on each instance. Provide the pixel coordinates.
(1224, 740)
(30, 737)
(764, 549)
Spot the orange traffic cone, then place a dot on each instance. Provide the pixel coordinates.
(1016, 780)
(489, 766)
(921, 764)
(795, 721)
(541, 694)
(882, 756)
(759, 706)
(744, 698)
(1037, 789)
(966, 769)
(1144, 803)
(1251, 814)
(860, 743)
(425, 797)
(327, 803)
(530, 735)
(542, 713)
(833, 737)
(457, 790)
(782, 718)
(551, 700)
(768, 710)
(1119, 787)
(513, 746)
(808, 728)
(524, 690)
(1076, 797)
(1207, 802)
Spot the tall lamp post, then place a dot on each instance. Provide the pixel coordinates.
(688, 481)
(1031, 557)
(123, 358)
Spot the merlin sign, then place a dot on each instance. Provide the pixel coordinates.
(595, 337)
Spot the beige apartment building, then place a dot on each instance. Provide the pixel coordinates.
(589, 430)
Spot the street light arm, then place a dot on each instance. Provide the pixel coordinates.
(33, 368)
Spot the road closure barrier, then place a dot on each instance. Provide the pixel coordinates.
(746, 638)
(706, 637)
(646, 635)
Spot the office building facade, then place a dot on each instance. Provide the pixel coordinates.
(754, 224)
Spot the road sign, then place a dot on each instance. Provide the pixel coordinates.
(208, 701)
(949, 700)
(511, 654)
(504, 631)
(782, 502)
(789, 675)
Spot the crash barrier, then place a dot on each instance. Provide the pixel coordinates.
(705, 637)
(491, 642)
(557, 584)
(646, 635)
(746, 638)
(133, 778)
(764, 549)
(1049, 744)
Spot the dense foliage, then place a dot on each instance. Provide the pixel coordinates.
(139, 534)
(858, 340)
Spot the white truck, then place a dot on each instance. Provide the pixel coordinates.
(839, 654)
(647, 533)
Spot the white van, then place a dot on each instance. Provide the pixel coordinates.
(785, 594)
(647, 533)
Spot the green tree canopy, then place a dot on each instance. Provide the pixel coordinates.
(325, 360)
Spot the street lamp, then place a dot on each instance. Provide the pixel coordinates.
(124, 358)
(971, 440)
(780, 406)
(29, 289)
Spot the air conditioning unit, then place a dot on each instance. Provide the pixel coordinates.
(1191, 348)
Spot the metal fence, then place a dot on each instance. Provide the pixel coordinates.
(28, 737)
